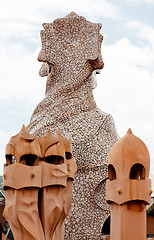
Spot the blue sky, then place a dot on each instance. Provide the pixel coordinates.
(125, 85)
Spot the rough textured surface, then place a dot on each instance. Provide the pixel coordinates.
(71, 47)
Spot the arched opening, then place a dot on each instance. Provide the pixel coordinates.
(68, 155)
(137, 171)
(111, 172)
(106, 227)
(10, 159)
(54, 159)
(29, 159)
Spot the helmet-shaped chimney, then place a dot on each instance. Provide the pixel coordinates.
(128, 187)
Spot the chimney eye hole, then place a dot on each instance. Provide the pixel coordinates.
(54, 159)
(10, 159)
(111, 172)
(29, 159)
(137, 171)
(68, 155)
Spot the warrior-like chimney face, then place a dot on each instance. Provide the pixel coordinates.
(128, 170)
(23, 148)
(128, 156)
(71, 36)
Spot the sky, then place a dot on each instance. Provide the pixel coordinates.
(125, 86)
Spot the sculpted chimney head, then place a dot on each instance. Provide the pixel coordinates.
(24, 148)
(71, 42)
(128, 152)
(53, 150)
(128, 171)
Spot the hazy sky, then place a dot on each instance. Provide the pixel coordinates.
(125, 85)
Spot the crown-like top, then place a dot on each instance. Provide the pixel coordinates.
(47, 141)
(22, 144)
(70, 41)
(25, 134)
(65, 141)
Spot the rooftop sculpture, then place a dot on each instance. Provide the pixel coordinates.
(38, 185)
(71, 52)
(128, 188)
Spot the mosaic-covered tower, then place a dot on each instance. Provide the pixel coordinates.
(71, 52)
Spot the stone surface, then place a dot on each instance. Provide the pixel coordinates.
(71, 51)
